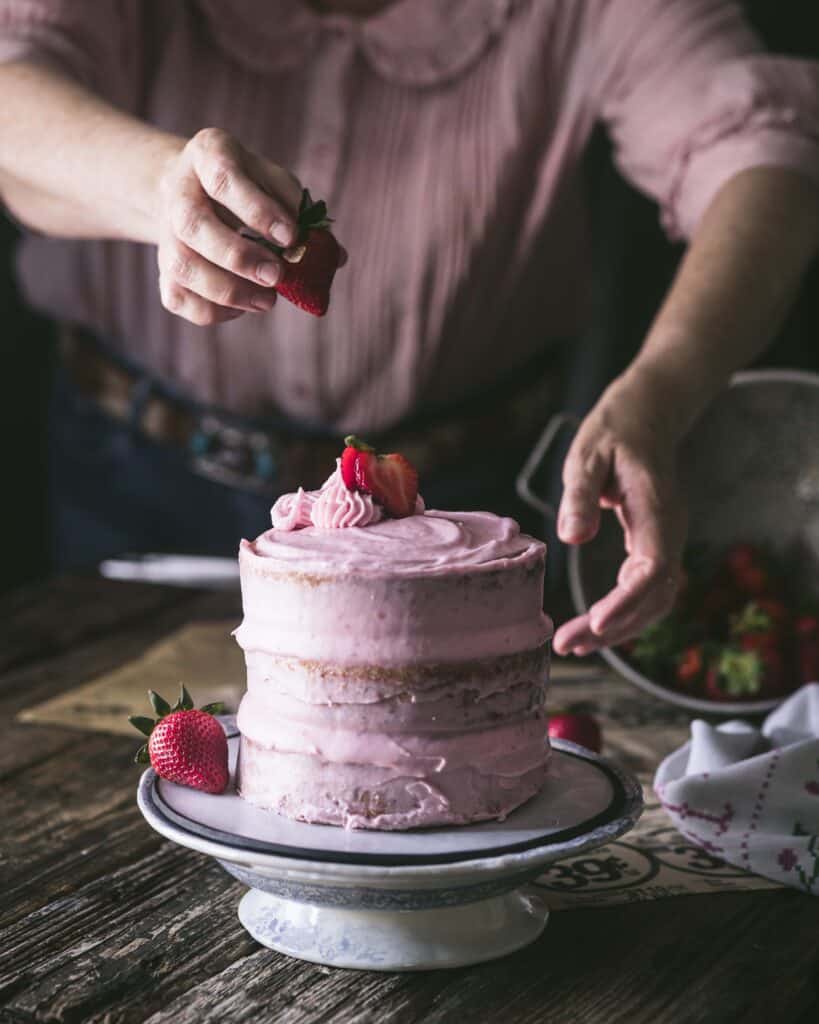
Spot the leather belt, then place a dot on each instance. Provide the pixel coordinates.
(270, 460)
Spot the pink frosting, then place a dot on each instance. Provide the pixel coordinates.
(425, 544)
(333, 507)
(394, 592)
(437, 748)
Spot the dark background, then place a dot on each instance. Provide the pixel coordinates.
(633, 265)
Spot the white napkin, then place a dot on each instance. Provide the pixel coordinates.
(751, 796)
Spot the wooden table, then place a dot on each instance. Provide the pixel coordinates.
(102, 920)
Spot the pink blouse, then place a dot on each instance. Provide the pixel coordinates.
(446, 139)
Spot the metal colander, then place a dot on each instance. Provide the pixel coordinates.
(750, 471)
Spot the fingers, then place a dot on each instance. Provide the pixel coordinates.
(182, 266)
(193, 307)
(585, 472)
(582, 635)
(574, 633)
(218, 202)
(654, 527)
(225, 171)
(195, 224)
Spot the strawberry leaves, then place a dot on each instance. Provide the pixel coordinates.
(143, 723)
(159, 704)
(312, 215)
(216, 708)
(163, 709)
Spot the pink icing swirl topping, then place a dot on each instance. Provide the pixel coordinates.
(333, 507)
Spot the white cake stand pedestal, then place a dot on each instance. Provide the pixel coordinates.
(443, 897)
(395, 940)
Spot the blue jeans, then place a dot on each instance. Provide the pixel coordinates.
(112, 490)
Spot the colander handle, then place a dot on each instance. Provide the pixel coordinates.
(523, 481)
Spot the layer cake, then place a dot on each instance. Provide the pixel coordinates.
(396, 668)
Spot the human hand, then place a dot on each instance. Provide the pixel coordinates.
(210, 192)
(623, 458)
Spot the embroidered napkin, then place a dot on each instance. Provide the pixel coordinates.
(751, 796)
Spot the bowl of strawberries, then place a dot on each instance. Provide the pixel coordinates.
(744, 632)
(739, 637)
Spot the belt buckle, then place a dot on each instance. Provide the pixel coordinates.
(228, 455)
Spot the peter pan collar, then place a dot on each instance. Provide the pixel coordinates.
(412, 42)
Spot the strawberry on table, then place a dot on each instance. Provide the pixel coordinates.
(578, 727)
(391, 479)
(184, 745)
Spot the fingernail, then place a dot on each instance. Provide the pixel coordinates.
(282, 233)
(268, 273)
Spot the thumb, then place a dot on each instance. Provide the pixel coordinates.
(585, 472)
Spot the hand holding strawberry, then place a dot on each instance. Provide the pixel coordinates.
(184, 745)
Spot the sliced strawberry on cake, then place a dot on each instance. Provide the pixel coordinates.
(391, 479)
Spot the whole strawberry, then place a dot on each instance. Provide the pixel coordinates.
(184, 745)
(740, 673)
(311, 262)
(690, 666)
(577, 727)
(746, 565)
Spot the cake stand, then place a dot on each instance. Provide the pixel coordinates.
(438, 897)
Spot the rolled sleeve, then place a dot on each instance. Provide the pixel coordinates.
(81, 38)
(691, 100)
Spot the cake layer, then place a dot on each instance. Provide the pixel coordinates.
(436, 696)
(415, 745)
(376, 797)
(427, 588)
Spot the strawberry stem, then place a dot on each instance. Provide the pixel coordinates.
(351, 441)
(213, 709)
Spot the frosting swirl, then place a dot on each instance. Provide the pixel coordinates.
(333, 507)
